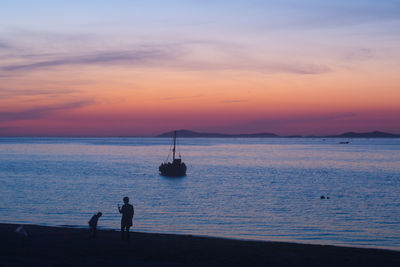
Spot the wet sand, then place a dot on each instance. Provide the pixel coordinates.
(49, 246)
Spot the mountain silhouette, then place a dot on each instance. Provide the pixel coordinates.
(375, 134)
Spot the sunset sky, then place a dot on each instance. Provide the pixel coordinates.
(128, 68)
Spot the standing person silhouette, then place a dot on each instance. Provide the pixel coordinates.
(127, 212)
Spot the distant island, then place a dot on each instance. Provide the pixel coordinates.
(193, 134)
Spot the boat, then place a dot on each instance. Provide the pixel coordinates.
(176, 168)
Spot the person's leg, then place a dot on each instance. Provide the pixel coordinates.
(122, 231)
(127, 232)
(94, 231)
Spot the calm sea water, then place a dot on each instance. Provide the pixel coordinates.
(260, 189)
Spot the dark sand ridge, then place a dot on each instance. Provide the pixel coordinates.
(72, 247)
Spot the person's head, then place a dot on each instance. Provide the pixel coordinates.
(99, 214)
(126, 200)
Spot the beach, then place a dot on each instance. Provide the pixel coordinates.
(62, 246)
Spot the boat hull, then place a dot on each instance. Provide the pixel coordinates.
(172, 170)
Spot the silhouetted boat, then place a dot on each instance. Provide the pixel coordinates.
(176, 168)
(344, 142)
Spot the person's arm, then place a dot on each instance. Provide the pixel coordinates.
(119, 209)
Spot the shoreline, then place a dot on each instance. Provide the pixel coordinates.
(46, 245)
(300, 242)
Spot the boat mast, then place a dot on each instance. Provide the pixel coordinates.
(173, 151)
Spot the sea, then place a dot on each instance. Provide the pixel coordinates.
(303, 190)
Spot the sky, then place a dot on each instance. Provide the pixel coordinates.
(141, 68)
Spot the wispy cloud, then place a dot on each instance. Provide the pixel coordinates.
(8, 128)
(359, 54)
(167, 58)
(172, 98)
(4, 45)
(41, 112)
(181, 55)
(6, 92)
(296, 68)
(232, 101)
(253, 66)
(135, 57)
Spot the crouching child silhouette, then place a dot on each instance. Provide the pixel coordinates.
(93, 224)
(127, 212)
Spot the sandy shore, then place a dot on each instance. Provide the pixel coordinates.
(73, 247)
